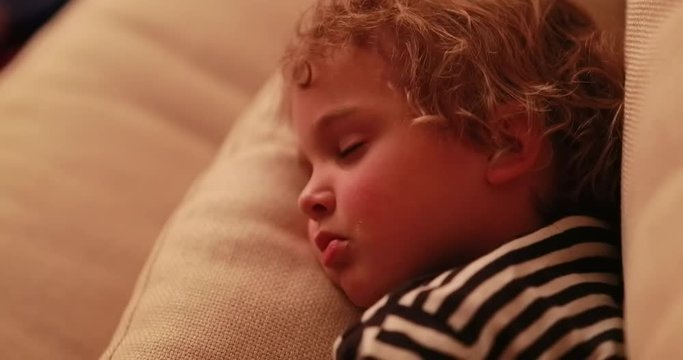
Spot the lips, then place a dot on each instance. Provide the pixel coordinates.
(333, 247)
(324, 238)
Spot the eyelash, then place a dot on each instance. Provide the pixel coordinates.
(349, 150)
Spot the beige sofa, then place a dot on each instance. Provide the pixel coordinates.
(118, 106)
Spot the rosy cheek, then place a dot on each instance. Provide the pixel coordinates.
(364, 198)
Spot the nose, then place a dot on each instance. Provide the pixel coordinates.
(317, 204)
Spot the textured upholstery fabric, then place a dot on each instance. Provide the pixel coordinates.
(232, 276)
(105, 120)
(653, 179)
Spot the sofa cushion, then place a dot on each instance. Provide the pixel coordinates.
(232, 276)
(105, 119)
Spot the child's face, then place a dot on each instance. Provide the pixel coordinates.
(386, 200)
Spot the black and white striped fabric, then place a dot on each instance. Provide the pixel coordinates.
(553, 294)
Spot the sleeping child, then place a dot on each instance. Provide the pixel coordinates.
(464, 162)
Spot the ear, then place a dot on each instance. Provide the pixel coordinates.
(519, 142)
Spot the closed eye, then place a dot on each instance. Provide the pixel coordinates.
(349, 150)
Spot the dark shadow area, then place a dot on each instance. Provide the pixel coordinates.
(19, 20)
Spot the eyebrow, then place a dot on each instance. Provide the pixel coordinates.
(334, 116)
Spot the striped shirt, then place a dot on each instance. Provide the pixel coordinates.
(554, 294)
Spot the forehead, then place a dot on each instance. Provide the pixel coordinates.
(349, 61)
(347, 78)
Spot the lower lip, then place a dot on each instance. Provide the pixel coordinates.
(335, 253)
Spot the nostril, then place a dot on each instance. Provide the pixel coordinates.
(319, 209)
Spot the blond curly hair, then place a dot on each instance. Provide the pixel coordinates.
(459, 60)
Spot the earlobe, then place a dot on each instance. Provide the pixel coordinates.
(518, 152)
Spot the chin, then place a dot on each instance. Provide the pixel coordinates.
(361, 298)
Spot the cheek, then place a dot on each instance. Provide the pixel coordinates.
(368, 197)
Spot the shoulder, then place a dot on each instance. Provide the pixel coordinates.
(556, 291)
